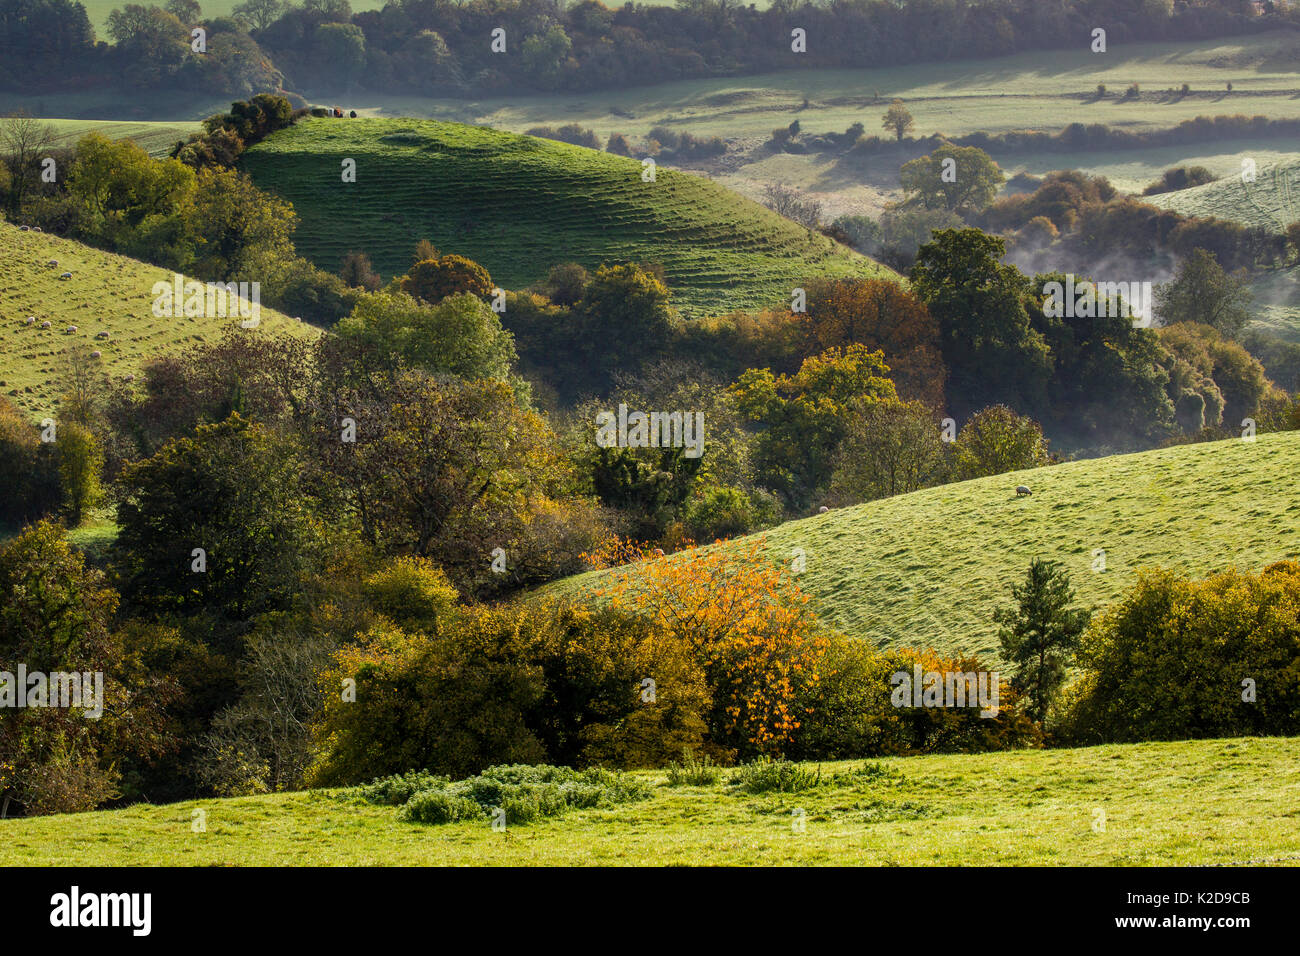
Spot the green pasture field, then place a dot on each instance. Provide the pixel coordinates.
(108, 293)
(928, 569)
(1187, 803)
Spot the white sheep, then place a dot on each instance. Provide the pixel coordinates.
(1023, 490)
(96, 354)
(66, 275)
(822, 510)
(101, 335)
(46, 324)
(70, 329)
(30, 320)
(52, 264)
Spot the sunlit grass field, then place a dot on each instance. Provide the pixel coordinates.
(1194, 802)
(107, 292)
(928, 569)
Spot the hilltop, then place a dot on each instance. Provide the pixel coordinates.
(107, 293)
(520, 205)
(929, 568)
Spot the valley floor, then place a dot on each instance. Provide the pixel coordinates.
(1216, 802)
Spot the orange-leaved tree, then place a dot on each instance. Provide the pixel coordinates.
(750, 625)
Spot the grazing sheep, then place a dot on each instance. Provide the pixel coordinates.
(1023, 490)
(36, 228)
(70, 329)
(822, 510)
(24, 228)
(96, 354)
(46, 324)
(66, 275)
(30, 320)
(52, 264)
(101, 335)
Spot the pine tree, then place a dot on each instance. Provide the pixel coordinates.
(1039, 636)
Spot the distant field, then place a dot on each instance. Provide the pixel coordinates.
(107, 293)
(520, 205)
(928, 569)
(156, 138)
(1039, 90)
(1272, 201)
(1193, 802)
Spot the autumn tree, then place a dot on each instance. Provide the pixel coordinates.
(356, 270)
(898, 119)
(749, 624)
(880, 315)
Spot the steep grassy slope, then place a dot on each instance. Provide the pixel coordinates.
(1195, 802)
(929, 568)
(106, 293)
(520, 205)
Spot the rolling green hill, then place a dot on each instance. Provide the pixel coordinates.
(520, 205)
(929, 568)
(1190, 802)
(1272, 201)
(108, 293)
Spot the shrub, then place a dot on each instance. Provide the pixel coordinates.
(435, 806)
(775, 776)
(1169, 661)
(396, 789)
(693, 771)
(525, 793)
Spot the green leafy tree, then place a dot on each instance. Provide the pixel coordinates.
(803, 418)
(996, 440)
(956, 178)
(233, 491)
(434, 279)
(81, 463)
(989, 346)
(1039, 635)
(890, 448)
(1201, 291)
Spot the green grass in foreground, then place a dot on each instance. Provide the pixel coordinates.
(520, 205)
(107, 292)
(1192, 802)
(928, 569)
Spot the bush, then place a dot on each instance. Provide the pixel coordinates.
(525, 793)
(396, 789)
(694, 771)
(775, 776)
(1169, 661)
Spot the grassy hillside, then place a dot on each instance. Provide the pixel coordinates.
(520, 205)
(107, 293)
(929, 568)
(1193, 802)
(1271, 201)
(156, 138)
